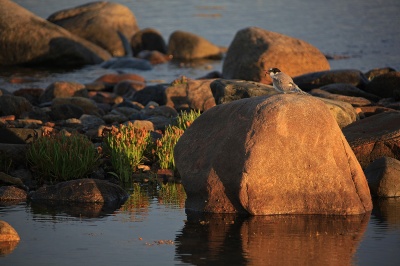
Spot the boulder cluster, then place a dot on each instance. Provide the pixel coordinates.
(251, 151)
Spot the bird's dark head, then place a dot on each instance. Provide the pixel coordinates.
(274, 70)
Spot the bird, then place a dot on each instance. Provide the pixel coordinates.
(283, 83)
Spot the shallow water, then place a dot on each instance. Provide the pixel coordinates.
(366, 31)
(147, 231)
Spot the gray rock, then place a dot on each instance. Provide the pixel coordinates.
(148, 40)
(385, 85)
(14, 105)
(354, 101)
(383, 177)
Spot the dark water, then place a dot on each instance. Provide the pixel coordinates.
(365, 31)
(148, 231)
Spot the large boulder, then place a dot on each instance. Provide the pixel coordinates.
(99, 22)
(374, 137)
(254, 50)
(188, 46)
(14, 105)
(148, 39)
(282, 154)
(28, 39)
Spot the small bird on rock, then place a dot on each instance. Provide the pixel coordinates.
(283, 83)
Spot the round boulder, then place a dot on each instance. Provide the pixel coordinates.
(29, 39)
(254, 50)
(280, 154)
(99, 22)
(148, 40)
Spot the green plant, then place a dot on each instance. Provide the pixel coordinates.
(126, 146)
(164, 149)
(185, 119)
(58, 157)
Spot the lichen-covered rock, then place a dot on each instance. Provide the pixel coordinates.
(282, 154)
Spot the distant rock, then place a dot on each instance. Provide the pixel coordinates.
(254, 50)
(371, 74)
(99, 22)
(88, 106)
(36, 41)
(61, 89)
(349, 90)
(148, 39)
(354, 101)
(188, 46)
(127, 62)
(14, 105)
(281, 154)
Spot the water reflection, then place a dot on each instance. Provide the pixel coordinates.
(270, 240)
(387, 212)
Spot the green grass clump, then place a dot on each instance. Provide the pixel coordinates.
(126, 146)
(185, 119)
(165, 147)
(58, 157)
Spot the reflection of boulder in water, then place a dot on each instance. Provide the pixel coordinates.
(270, 240)
(75, 209)
(387, 210)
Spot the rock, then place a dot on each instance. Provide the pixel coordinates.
(99, 22)
(65, 111)
(370, 75)
(190, 94)
(349, 90)
(188, 46)
(16, 152)
(31, 94)
(255, 50)
(374, 137)
(143, 124)
(148, 39)
(318, 79)
(39, 42)
(154, 93)
(281, 154)
(127, 62)
(114, 118)
(91, 122)
(87, 105)
(7, 232)
(60, 89)
(14, 105)
(225, 91)
(163, 110)
(385, 85)
(154, 57)
(113, 79)
(383, 177)
(80, 190)
(354, 101)
(11, 193)
(373, 110)
(160, 122)
(18, 135)
(127, 88)
(8, 180)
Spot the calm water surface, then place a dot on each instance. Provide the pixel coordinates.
(149, 231)
(366, 31)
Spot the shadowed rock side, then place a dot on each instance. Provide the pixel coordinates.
(27, 39)
(283, 154)
(270, 240)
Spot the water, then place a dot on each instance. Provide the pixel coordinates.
(366, 31)
(148, 231)
(151, 232)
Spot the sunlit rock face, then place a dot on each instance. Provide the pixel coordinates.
(280, 154)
